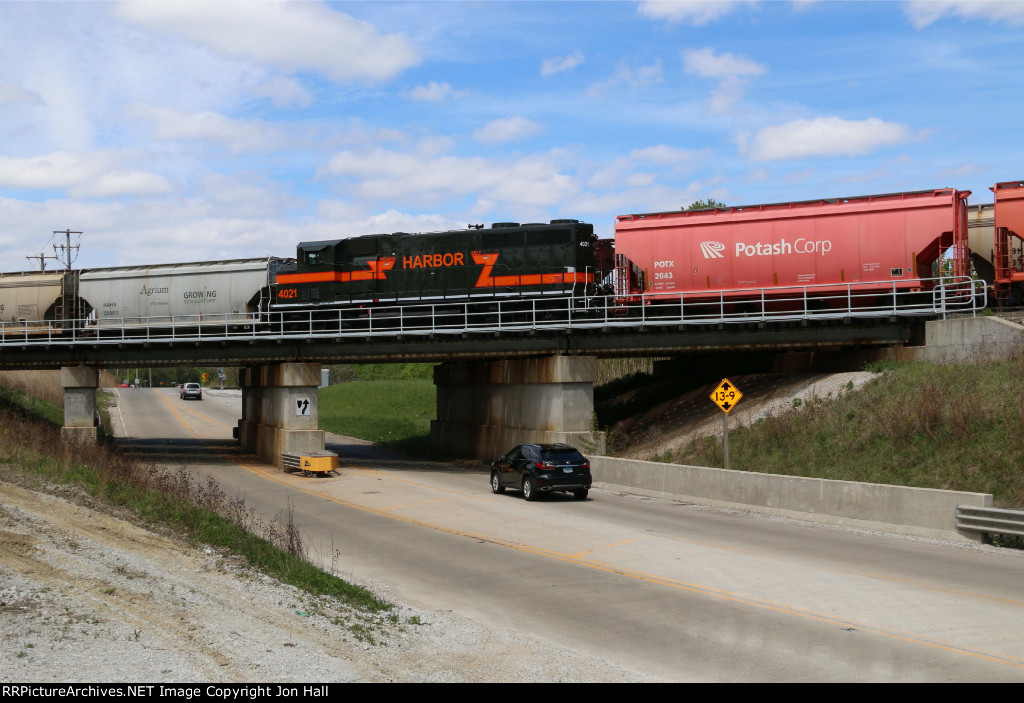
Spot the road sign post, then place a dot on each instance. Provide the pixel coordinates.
(725, 396)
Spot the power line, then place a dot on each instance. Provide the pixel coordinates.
(63, 252)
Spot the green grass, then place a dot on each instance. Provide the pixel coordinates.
(955, 427)
(31, 405)
(396, 412)
(32, 454)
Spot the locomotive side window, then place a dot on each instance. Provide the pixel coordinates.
(314, 258)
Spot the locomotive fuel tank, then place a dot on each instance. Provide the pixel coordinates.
(893, 238)
(506, 259)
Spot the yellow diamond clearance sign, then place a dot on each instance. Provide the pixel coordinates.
(726, 395)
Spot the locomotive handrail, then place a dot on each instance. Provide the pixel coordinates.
(959, 294)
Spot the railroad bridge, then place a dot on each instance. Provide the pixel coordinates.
(501, 380)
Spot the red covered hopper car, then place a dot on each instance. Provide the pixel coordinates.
(874, 246)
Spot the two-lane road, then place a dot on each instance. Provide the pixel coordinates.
(675, 590)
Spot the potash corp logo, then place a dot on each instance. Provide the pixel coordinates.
(712, 250)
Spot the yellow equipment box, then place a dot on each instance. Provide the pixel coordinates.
(310, 462)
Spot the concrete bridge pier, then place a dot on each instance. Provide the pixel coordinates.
(484, 408)
(280, 410)
(80, 383)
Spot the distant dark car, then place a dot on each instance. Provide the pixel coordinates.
(192, 390)
(542, 468)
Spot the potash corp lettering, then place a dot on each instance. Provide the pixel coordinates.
(799, 246)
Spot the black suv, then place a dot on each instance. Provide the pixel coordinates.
(537, 468)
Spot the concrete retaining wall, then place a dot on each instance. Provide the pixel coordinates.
(915, 511)
(967, 339)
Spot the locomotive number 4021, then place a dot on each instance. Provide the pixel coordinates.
(288, 293)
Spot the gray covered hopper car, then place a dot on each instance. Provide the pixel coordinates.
(202, 293)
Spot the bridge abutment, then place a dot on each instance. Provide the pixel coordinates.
(485, 408)
(280, 410)
(79, 383)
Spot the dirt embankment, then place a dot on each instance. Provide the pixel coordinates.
(672, 423)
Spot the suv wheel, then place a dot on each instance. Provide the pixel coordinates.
(529, 489)
(580, 494)
(496, 486)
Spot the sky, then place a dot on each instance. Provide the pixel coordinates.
(194, 131)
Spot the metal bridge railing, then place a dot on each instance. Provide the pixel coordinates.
(935, 298)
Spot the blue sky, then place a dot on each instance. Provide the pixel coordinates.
(184, 131)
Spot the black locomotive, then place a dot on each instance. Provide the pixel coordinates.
(471, 265)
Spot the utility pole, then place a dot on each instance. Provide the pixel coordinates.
(63, 251)
(42, 260)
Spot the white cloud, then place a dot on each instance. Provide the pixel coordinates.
(529, 180)
(122, 182)
(13, 94)
(706, 63)
(247, 194)
(559, 64)
(726, 94)
(623, 172)
(695, 12)
(235, 135)
(353, 221)
(435, 92)
(662, 154)
(284, 92)
(925, 12)
(822, 136)
(507, 129)
(732, 72)
(89, 174)
(292, 36)
(619, 174)
(626, 77)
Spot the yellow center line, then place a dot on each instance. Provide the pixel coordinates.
(938, 589)
(400, 506)
(720, 594)
(196, 413)
(607, 546)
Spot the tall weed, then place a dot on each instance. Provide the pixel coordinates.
(958, 427)
(33, 454)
